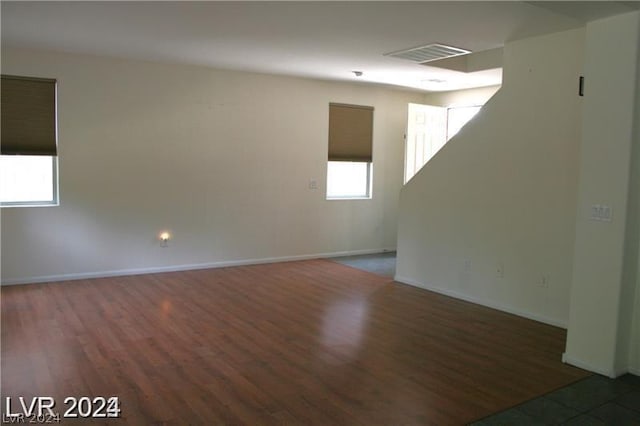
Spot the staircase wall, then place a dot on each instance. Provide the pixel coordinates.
(491, 218)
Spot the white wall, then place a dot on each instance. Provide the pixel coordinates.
(634, 193)
(503, 191)
(605, 262)
(634, 218)
(468, 97)
(634, 352)
(221, 159)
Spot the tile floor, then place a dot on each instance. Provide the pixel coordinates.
(596, 400)
(379, 263)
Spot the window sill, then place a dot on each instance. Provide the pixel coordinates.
(25, 204)
(347, 198)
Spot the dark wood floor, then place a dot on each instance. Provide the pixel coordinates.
(311, 342)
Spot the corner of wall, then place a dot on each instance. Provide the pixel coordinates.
(606, 252)
(634, 191)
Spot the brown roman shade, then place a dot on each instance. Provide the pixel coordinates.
(350, 133)
(28, 125)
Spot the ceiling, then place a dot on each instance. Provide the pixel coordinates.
(326, 40)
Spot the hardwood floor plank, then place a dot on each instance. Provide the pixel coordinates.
(310, 342)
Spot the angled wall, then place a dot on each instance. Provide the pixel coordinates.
(491, 217)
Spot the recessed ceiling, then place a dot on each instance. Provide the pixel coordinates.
(326, 40)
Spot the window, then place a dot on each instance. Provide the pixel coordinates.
(29, 162)
(347, 179)
(457, 117)
(349, 166)
(28, 180)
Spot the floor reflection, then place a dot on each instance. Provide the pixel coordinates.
(344, 326)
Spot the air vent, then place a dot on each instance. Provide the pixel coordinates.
(428, 53)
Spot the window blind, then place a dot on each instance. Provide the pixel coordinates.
(28, 116)
(350, 133)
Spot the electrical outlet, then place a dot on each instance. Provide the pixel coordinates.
(466, 265)
(313, 184)
(500, 270)
(164, 238)
(545, 279)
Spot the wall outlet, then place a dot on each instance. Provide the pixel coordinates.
(545, 279)
(500, 270)
(164, 238)
(313, 183)
(466, 265)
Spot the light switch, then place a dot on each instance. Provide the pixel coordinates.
(601, 213)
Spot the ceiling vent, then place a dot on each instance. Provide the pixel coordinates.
(430, 52)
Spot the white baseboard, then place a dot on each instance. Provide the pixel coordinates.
(187, 267)
(634, 371)
(488, 303)
(589, 367)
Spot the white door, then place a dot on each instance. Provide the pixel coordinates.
(426, 134)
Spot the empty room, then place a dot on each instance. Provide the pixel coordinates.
(331, 213)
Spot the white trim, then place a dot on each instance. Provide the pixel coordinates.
(586, 366)
(187, 267)
(634, 371)
(491, 304)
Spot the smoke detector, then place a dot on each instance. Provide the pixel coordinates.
(428, 53)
